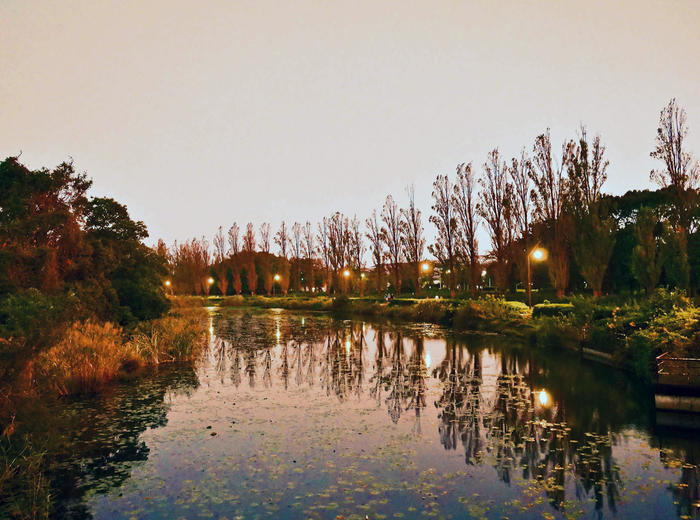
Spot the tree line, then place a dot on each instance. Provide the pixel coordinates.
(544, 197)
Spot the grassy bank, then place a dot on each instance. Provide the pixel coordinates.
(488, 314)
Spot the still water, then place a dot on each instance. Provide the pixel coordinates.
(293, 415)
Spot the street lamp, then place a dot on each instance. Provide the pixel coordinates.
(210, 280)
(425, 267)
(346, 273)
(538, 254)
(277, 278)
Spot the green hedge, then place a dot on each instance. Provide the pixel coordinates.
(552, 309)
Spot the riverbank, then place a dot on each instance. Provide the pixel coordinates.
(627, 333)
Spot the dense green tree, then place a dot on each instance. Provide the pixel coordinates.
(594, 243)
(647, 261)
(134, 272)
(675, 257)
(41, 211)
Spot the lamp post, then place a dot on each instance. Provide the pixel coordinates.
(538, 254)
(346, 275)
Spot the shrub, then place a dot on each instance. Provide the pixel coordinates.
(469, 316)
(604, 339)
(556, 332)
(489, 313)
(676, 331)
(233, 301)
(552, 309)
(432, 311)
(30, 321)
(185, 302)
(639, 355)
(340, 303)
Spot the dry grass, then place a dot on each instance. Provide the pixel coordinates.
(173, 338)
(24, 489)
(89, 355)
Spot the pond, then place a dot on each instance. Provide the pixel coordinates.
(299, 415)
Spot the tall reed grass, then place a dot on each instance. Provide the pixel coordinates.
(169, 339)
(88, 355)
(91, 354)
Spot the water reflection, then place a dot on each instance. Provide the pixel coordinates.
(540, 419)
(93, 444)
(542, 433)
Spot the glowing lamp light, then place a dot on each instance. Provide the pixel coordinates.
(543, 398)
(362, 276)
(539, 254)
(483, 273)
(346, 273)
(277, 278)
(168, 283)
(210, 280)
(425, 267)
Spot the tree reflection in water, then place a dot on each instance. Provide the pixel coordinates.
(511, 423)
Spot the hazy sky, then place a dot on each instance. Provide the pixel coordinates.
(196, 114)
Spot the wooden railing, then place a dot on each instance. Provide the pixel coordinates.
(674, 371)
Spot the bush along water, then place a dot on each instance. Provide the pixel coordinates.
(632, 333)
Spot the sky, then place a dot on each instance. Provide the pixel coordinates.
(199, 114)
